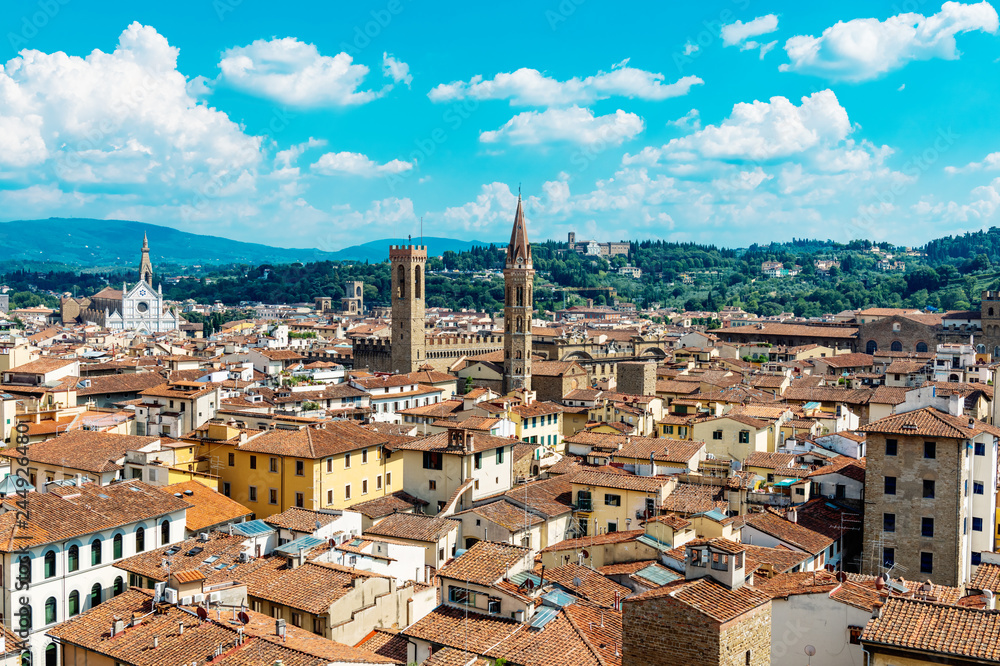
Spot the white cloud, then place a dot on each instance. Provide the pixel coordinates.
(761, 131)
(767, 48)
(691, 48)
(863, 49)
(985, 202)
(287, 158)
(395, 69)
(690, 120)
(493, 207)
(572, 125)
(990, 162)
(739, 32)
(356, 164)
(529, 87)
(120, 118)
(295, 73)
(385, 212)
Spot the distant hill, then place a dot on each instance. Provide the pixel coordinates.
(88, 242)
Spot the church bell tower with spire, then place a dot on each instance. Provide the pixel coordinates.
(518, 278)
(145, 266)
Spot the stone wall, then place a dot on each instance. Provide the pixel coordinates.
(662, 631)
(909, 506)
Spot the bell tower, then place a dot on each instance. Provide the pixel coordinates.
(518, 276)
(408, 337)
(145, 267)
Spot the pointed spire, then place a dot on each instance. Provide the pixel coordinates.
(519, 247)
(145, 266)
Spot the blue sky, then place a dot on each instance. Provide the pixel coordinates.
(329, 124)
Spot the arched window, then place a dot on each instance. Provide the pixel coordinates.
(520, 296)
(520, 325)
(24, 568)
(416, 282)
(517, 354)
(140, 540)
(51, 655)
(119, 586)
(401, 282)
(358, 292)
(95, 552)
(50, 564)
(25, 659)
(980, 349)
(871, 347)
(95, 595)
(116, 546)
(164, 532)
(73, 558)
(921, 347)
(50, 610)
(73, 607)
(896, 346)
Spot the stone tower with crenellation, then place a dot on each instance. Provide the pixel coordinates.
(518, 278)
(408, 337)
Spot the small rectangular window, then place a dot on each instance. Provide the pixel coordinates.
(980, 448)
(364, 456)
(890, 485)
(977, 487)
(252, 493)
(930, 450)
(928, 489)
(388, 479)
(300, 500)
(891, 447)
(329, 465)
(364, 486)
(329, 497)
(612, 500)
(232, 459)
(888, 522)
(253, 462)
(927, 563)
(347, 492)
(977, 524)
(347, 461)
(927, 527)
(273, 495)
(888, 557)
(274, 465)
(432, 485)
(226, 489)
(717, 434)
(378, 482)
(500, 456)
(300, 468)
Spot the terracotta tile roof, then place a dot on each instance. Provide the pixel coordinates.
(130, 382)
(689, 498)
(647, 484)
(938, 629)
(791, 533)
(312, 587)
(303, 520)
(827, 394)
(552, 496)
(987, 578)
(537, 409)
(68, 512)
(226, 547)
(625, 568)
(575, 637)
(329, 439)
(380, 507)
(852, 468)
(662, 449)
(800, 582)
(440, 442)
(853, 360)
(85, 450)
(208, 507)
(485, 563)
(42, 365)
(179, 391)
(768, 460)
(454, 657)
(709, 598)
(593, 587)
(506, 515)
(929, 422)
(134, 645)
(413, 526)
(596, 540)
(386, 643)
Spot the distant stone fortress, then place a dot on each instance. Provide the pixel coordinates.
(597, 249)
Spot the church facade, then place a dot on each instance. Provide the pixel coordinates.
(137, 308)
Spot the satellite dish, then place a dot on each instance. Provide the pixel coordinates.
(577, 582)
(529, 584)
(841, 577)
(243, 617)
(810, 651)
(585, 553)
(202, 613)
